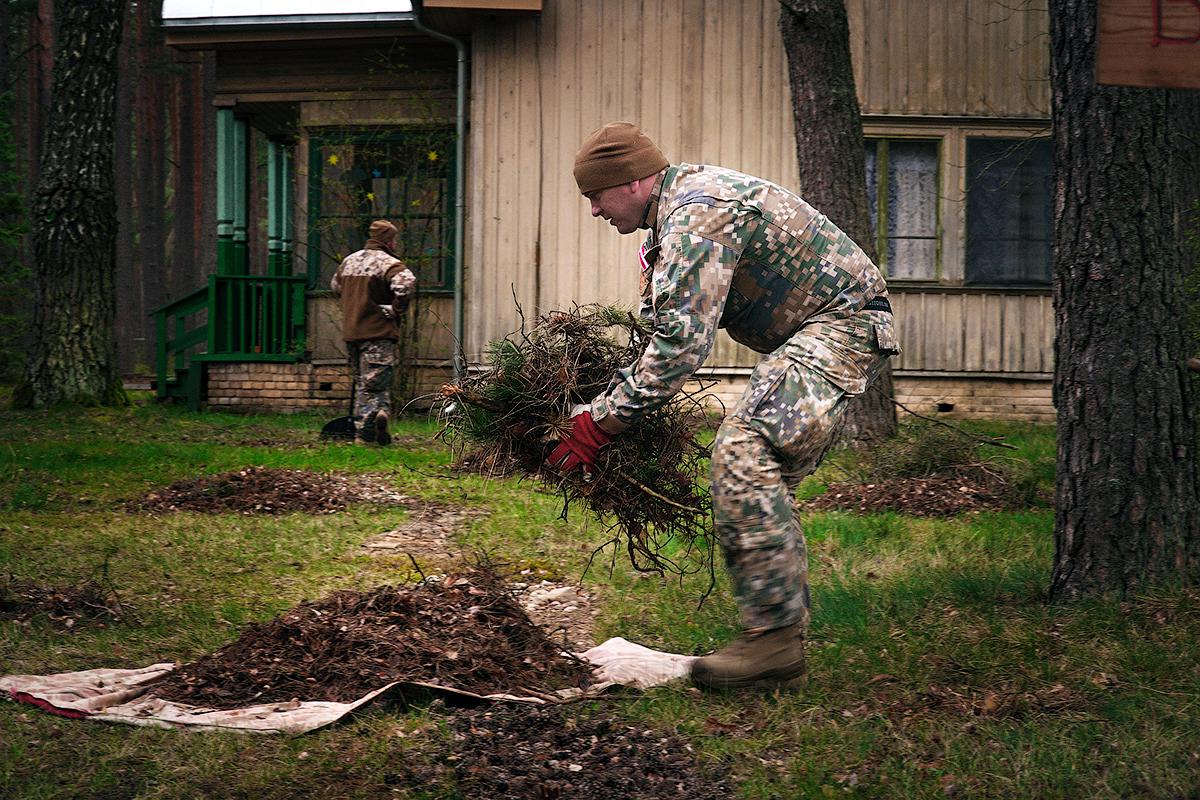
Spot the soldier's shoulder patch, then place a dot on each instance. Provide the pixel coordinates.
(647, 257)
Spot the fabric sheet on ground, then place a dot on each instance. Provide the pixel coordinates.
(126, 695)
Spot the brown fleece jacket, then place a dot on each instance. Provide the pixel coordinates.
(373, 285)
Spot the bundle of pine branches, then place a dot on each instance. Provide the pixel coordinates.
(648, 482)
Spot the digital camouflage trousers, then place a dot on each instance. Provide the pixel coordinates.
(373, 362)
(784, 424)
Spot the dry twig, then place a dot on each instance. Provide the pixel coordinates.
(648, 482)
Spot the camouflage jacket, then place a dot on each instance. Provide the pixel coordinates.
(375, 288)
(728, 250)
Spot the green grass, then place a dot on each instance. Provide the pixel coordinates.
(937, 668)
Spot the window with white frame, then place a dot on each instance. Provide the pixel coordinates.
(902, 188)
(961, 205)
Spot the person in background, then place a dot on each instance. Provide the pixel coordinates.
(375, 288)
(729, 250)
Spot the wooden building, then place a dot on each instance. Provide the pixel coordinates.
(339, 119)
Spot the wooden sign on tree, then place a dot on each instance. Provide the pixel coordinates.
(1153, 43)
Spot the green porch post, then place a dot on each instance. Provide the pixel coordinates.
(231, 194)
(241, 205)
(279, 209)
(289, 211)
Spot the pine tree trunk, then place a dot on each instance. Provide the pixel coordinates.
(150, 178)
(74, 218)
(1127, 513)
(829, 151)
(128, 130)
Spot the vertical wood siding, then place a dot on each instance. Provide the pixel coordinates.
(707, 80)
(951, 57)
(965, 332)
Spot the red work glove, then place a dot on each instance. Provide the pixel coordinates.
(580, 444)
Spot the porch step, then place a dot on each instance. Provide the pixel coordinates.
(185, 385)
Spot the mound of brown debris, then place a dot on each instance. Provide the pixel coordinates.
(506, 752)
(932, 496)
(463, 631)
(63, 606)
(264, 490)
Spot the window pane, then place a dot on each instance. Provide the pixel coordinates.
(1008, 210)
(902, 194)
(404, 177)
(912, 168)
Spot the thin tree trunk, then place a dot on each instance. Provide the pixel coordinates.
(74, 218)
(150, 181)
(829, 151)
(127, 132)
(14, 295)
(1127, 513)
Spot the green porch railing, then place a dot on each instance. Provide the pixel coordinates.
(247, 318)
(258, 317)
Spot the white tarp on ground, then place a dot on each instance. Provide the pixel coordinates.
(122, 695)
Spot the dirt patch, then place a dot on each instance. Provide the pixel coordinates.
(934, 496)
(428, 533)
(65, 607)
(464, 631)
(264, 490)
(566, 612)
(517, 753)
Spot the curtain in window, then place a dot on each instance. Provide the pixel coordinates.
(902, 188)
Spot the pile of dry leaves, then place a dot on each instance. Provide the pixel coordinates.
(63, 606)
(932, 496)
(511, 753)
(264, 490)
(464, 631)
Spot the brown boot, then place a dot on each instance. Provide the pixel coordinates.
(382, 437)
(768, 659)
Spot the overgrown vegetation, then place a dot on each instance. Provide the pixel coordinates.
(937, 668)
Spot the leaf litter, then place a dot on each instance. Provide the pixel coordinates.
(463, 631)
(266, 490)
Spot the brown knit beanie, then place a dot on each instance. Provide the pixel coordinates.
(382, 231)
(617, 153)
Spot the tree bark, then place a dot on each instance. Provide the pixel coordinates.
(829, 151)
(1185, 108)
(72, 359)
(1127, 513)
(150, 180)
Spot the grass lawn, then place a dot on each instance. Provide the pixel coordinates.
(937, 668)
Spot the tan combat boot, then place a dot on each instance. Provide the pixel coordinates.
(769, 659)
(382, 437)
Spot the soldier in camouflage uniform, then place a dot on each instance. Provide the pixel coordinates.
(728, 250)
(375, 288)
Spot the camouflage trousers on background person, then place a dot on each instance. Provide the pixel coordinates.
(781, 429)
(373, 362)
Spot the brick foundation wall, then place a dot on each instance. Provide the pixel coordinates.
(999, 398)
(292, 388)
(1015, 399)
(289, 388)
